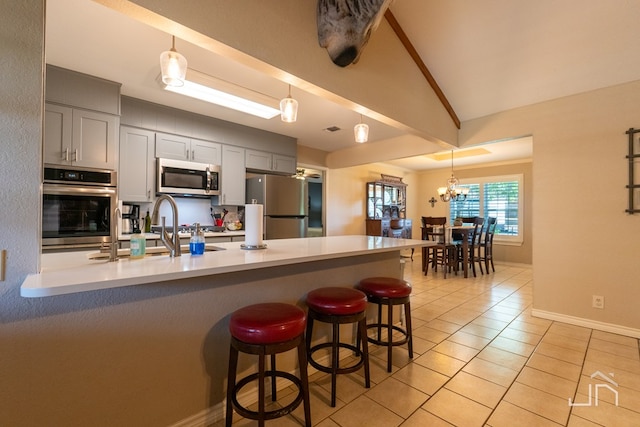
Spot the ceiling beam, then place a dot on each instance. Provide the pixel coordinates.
(421, 65)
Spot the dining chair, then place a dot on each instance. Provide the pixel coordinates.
(424, 236)
(443, 253)
(485, 252)
(456, 236)
(473, 245)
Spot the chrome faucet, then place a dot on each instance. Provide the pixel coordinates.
(113, 250)
(171, 242)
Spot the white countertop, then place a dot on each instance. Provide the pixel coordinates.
(73, 272)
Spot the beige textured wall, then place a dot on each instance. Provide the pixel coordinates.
(346, 192)
(584, 243)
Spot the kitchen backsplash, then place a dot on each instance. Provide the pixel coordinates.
(190, 210)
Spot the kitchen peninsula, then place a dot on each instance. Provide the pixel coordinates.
(91, 275)
(155, 332)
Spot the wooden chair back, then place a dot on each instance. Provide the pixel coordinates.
(490, 231)
(434, 228)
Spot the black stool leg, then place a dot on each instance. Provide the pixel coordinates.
(362, 332)
(261, 392)
(334, 361)
(379, 322)
(304, 378)
(390, 331)
(407, 318)
(231, 381)
(273, 378)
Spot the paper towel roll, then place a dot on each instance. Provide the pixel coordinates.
(253, 218)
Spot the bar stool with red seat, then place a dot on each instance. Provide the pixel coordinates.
(267, 329)
(389, 291)
(338, 305)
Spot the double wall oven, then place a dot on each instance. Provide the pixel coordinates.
(77, 207)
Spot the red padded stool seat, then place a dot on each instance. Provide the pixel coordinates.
(338, 305)
(267, 329)
(337, 301)
(268, 323)
(389, 291)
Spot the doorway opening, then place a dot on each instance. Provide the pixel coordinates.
(315, 180)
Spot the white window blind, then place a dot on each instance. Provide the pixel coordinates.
(499, 197)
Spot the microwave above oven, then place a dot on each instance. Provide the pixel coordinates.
(182, 178)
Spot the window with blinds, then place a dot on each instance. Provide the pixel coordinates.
(499, 197)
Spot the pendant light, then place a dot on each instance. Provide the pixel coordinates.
(452, 191)
(361, 131)
(289, 109)
(173, 66)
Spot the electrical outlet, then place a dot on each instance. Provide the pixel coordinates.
(597, 301)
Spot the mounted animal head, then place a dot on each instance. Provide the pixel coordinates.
(344, 26)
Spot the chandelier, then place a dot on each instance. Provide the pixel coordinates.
(452, 191)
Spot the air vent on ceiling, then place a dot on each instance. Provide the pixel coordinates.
(332, 129)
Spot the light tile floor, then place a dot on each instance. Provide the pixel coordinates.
(482, 359)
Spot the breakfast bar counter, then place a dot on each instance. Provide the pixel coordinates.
(75, 272)
(142, 327)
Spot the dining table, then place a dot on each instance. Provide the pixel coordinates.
(464, 231)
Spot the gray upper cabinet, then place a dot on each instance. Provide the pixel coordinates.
(81, 120)
(270, 162)
(183, 148)
(284, 164)
(136, 176)
(206, 152)
(258, 160)
(232, 180)
(80, 137)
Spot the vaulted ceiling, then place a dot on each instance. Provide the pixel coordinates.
(487, 56)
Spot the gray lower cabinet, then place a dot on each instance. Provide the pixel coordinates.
(183, 148)
(233, 177)
(77, 137)
(270, 162)
(136, 175)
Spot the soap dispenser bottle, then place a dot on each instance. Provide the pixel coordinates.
(138, 245)
(196, 243)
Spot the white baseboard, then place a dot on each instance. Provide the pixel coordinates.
(514, 264)
(587, 323)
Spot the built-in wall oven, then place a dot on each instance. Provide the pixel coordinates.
(77, 207)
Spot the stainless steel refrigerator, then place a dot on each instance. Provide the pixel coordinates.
(286, 204)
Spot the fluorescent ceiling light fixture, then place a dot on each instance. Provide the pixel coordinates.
(226, 94)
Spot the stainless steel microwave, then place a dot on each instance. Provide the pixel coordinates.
(182, 178)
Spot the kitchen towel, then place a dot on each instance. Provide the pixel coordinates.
(253, 218)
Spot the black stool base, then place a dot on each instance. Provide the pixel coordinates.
(233, 387)
(267, 415)
(390, 327)
(360, 350)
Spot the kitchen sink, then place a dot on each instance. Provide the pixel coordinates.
(150, 251)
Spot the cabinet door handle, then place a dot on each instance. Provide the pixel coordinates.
(75, 155)
(193, 154)
(148, 194)
(65, 156)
